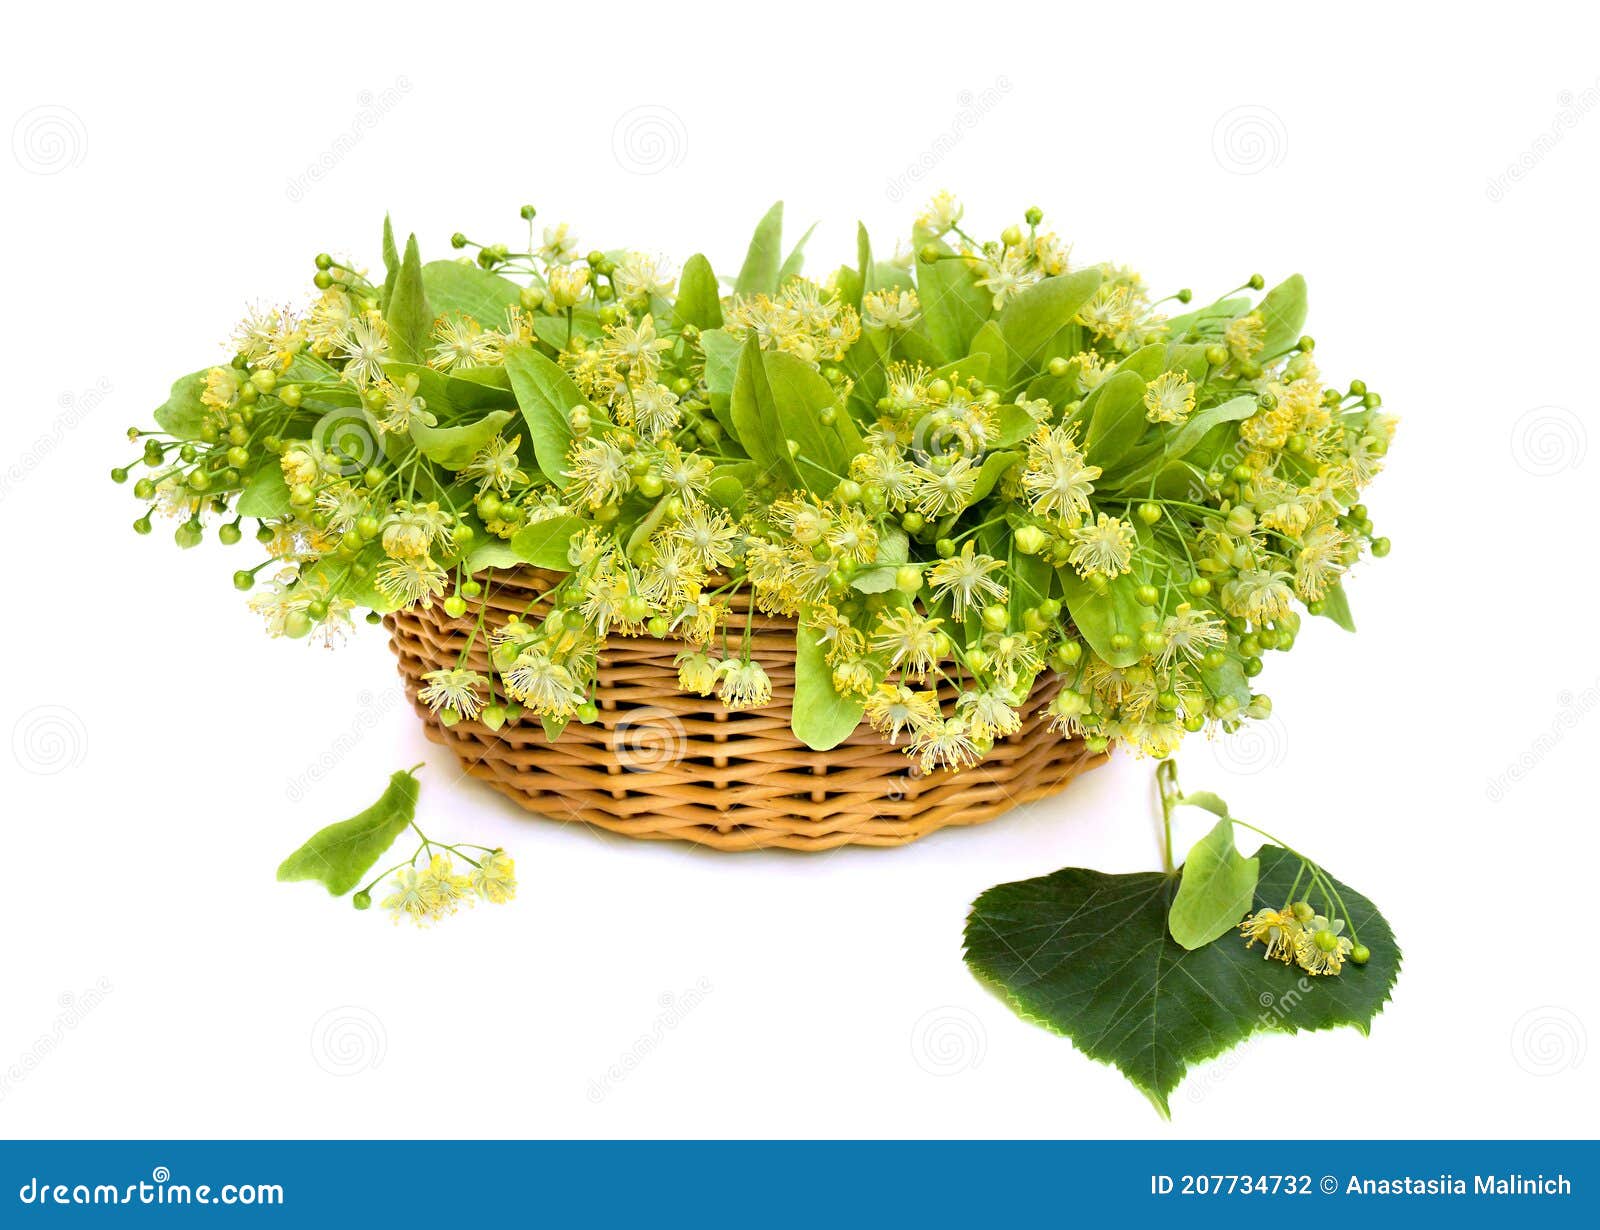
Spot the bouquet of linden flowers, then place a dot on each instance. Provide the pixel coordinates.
(962, 466)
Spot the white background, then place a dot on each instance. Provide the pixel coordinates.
(158, 982)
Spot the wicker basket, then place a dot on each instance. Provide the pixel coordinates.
(663, 764)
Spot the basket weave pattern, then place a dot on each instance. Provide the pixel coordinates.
(668, 765)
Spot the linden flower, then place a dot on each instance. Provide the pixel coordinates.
(1056, 478)
(1319, 563)
(543, 684)
(697, 672)
(709, 537)
(560, 244)
(1191, 634)
(854, 679)
(402, 407)
(566, 286)
(1104, 548)
(495, 878)
(1259, 595)
(1320, 948)
(597, 472)
(989, 714)
(453, 689)
(672, 574)
(364, 347)
(1245, 336)
(744, 684)
(495, 465)
(912, 641)
(460, 343)
(640, 277)
(440, 882)
(652, 408)
(1279, 930)
(1008, 279)
(893, 309)
(408, 581)
(942, 213)
(947, 491)
(1169, 398)
(635, 349)
(413, 896)
(893, 708)
(966, 579)
(947, 743)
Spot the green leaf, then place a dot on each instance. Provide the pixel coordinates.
(490, 552)
(722, 360)
(1216, 889)
(408, 315)
(759, 273)
(1185, 440)
(1116, 418)
(822, 718)
(754, 414)
(391, 264)
(1099, 617)
(894, 548)
(698, 303)
(989, 341)
(1030, 320)
(342, 854)
(1213, 315)
(955, 308)
(183, 413)
(1336, 606)
(546, 396)
(265, 493)
(456, 286)
(1283, 312)
(455, 447)
(544, 543)
(1089, 955)
(800, 394)
(989, 473)
(795, 261)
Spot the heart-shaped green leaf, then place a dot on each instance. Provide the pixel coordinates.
(1088, 955)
